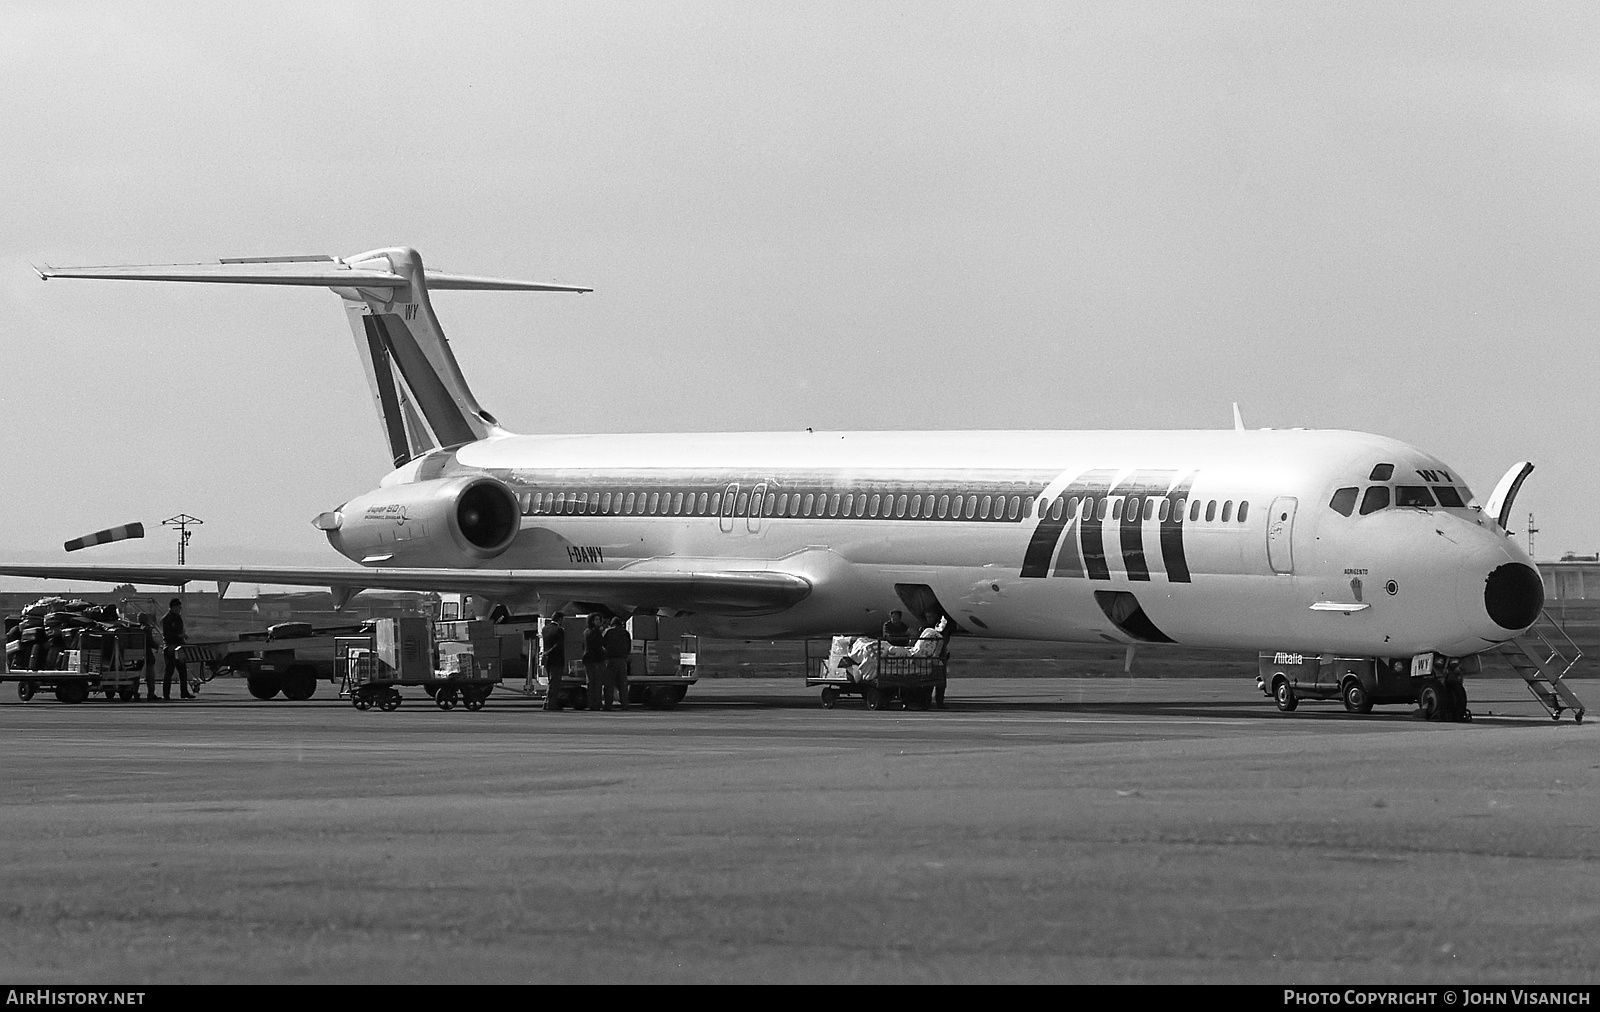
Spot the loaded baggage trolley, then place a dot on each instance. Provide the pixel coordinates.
(886, 677)
(402, 651)
(75, 650)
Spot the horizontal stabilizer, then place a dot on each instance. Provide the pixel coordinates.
(316, 271)
(724, 592)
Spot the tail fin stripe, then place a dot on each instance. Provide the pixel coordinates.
(444, 417)
(388, 399)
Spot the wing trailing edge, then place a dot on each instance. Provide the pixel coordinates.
(718, 592)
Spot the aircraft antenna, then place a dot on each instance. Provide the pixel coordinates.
(182, 522)
(1532, 530)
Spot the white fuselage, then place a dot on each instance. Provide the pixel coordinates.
(1109, 536)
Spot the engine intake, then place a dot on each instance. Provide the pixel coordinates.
(461, 521)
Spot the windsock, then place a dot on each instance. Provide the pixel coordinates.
(134, 530)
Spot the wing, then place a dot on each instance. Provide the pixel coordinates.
(724, 592)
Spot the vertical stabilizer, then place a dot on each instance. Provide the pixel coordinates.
(421, 396)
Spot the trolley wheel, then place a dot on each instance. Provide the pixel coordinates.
(830, 695)
(25, 690)
(874, 697)
(360, 702)
(127, 695)
(72, 692)
(431, 689)
(445, 698)
(110, 694)
(473, 703)
(1283, 695)
(1577, 715)
(1430, 702)
(390, 701)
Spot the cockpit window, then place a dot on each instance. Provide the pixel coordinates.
(1383, 472)
(1449, 497)
(1344, 501)
(1412, 495)
(1377, 498)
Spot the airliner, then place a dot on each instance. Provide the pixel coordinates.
(1306, 542)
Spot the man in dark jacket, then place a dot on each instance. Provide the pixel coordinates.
(619, 645)
(172, 637)
(895, 631)
(594, 660)
(553, 658)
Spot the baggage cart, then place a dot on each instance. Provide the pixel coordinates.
(882, 676)
(74, 663)
(395, 652)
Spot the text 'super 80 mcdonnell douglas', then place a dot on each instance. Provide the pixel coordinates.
(1310, 542)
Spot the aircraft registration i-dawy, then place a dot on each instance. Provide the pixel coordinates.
(1300, 542)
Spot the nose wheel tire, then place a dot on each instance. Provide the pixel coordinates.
(1430, 703)
(1283, 695)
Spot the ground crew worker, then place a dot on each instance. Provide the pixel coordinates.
(895, 631)
(148, 624)
(619, 645)
(553, 657)
(940, 624)
(172, 638)
(594, 660)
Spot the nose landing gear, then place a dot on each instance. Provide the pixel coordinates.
(1444, 700)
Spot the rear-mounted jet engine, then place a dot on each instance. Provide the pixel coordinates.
(458, 522)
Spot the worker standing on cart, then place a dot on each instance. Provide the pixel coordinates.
(553, 656)
(594, 660)
(895, 631)
(172, 637)
(619, 645)
(938, 626)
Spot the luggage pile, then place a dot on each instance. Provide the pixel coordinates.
(74, 643)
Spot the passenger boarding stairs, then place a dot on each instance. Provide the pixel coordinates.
(1543, 657)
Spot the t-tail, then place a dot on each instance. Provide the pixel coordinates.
(422, 398)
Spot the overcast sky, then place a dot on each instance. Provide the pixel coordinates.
(860, 215)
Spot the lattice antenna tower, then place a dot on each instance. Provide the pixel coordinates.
(182, 522)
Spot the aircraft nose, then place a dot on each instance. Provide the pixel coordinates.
(1513, 595)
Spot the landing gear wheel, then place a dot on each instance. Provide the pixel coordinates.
(830, 695)
(1355, 698)
(1430, 702)
(1284, 696)
(25, 691)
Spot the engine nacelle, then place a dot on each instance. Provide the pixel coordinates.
(457, 522)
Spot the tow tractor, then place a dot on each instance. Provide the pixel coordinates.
(75, 650)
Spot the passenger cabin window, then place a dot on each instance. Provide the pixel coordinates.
(1377, 498)
(1165, 510)
(1194, 510)
(1344, 501)
(1227, 511)
(1383, 472)
(1413, 495)
(1211, 511)
(1056, 507)
(1449, 498)
(1244, 510)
